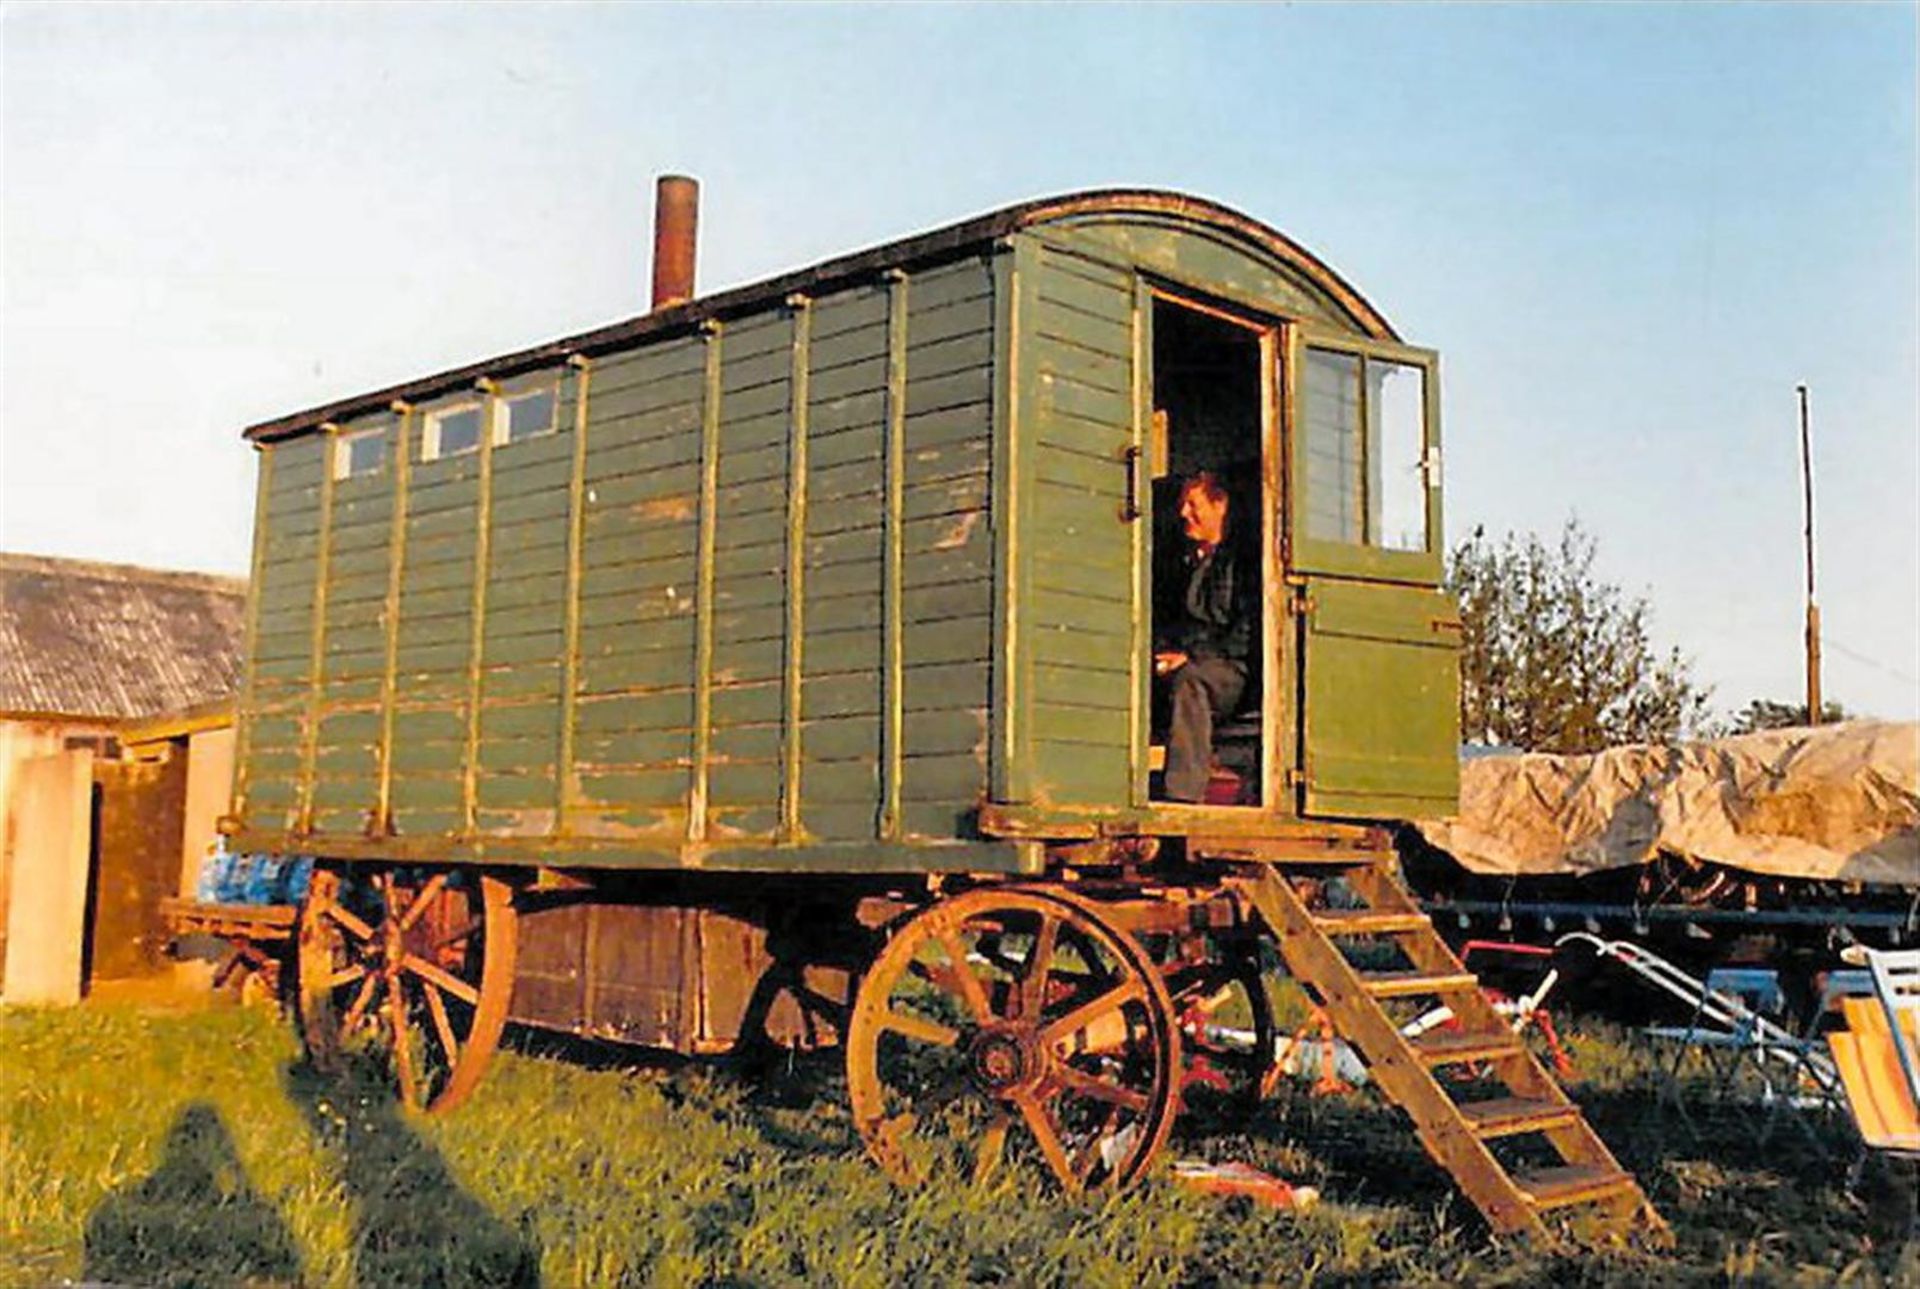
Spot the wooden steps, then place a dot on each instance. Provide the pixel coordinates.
(1412, 984)
(1552, 1188)
(1449, 1048)
(1316, 940)
(1510, 1116)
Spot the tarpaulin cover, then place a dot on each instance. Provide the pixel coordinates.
(1833, 802)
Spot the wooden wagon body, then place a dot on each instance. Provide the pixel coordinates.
(686, 664)
(829, 574)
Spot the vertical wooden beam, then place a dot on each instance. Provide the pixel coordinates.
(317, 653)
(248, 713)
(790, 713)
(1140, 590)
(477, 610)
(381, 822)
(576, 563)
(703, 592)
(1273, 614)
(892, 642)
(1010, 755)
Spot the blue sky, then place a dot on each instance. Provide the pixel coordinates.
(1629, 230)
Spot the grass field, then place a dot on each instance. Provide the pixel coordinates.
(193, 1148)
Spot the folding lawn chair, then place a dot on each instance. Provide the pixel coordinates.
(1878, 1054)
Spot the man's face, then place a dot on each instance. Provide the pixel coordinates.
(1203, 518)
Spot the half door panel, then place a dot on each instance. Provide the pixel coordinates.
(1381, 681)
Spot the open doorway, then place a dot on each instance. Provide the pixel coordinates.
(1208, 596)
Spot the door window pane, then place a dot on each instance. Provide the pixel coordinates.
(1397, 439)
(1363, 427)
(1330, 416)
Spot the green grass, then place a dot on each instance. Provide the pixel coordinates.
(169, 1148)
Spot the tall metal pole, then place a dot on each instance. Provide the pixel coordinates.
(1813, 608)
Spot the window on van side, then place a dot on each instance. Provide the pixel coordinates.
(358, 453)
(524, 415)
(451, 431)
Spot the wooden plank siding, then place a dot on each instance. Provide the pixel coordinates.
(849, 593)
(802, 577)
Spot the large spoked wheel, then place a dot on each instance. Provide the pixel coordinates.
(1013, 1026)
(413, 964)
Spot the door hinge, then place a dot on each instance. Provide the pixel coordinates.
(1300, 605)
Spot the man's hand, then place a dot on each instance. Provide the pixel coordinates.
(1168, 661)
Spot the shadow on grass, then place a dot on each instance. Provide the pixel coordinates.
(196, 1219)
(413, 1224)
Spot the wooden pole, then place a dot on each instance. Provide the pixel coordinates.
(1813, 607)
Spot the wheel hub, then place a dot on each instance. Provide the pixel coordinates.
(1002, 1060)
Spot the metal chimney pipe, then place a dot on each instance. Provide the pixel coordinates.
(676, 223)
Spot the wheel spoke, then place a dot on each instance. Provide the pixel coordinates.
(993, 1144)
(346, 975)
(462, 932)
(1079, 1018)
(369, 988)
(402, 1045)
(1090, 1155)
(1033, 983)
(440, 976)
(1087, 1085)
(1040, 1124)
(420, 902)
(339, 913)
(919, 1027)
(442, 1026)
(971, 989)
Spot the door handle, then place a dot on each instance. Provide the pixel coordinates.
(1130, 508)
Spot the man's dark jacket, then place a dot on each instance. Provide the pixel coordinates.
(1208, 611)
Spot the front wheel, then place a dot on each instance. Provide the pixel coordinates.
(415, 964)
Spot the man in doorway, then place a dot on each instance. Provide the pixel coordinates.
(1203, 636)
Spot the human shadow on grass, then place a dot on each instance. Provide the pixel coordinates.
(413, 1224)
(195, 1220)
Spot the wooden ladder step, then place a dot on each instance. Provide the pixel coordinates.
(1447, 1048)
(1407, 984)
(1510, 1116)
(1573, 1184)
(1368, 921)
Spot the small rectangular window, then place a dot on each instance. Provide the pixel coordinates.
(524, 416)
(451, 431)
(1364, 422)
(364, 452)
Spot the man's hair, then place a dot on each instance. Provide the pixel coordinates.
(1205, 481)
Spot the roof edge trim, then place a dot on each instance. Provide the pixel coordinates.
(949, 242)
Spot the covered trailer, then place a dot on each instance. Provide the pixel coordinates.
(776, 662)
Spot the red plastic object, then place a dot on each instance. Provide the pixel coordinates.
(1243, 1179)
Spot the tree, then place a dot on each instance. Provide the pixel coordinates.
(1766, 714)
(1555, 660)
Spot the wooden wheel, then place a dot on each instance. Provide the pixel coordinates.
(415, 963)
(1013, 1025)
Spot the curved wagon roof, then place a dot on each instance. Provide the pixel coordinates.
(1145, 204)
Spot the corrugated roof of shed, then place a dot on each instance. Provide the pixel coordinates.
(938, 244)
(114, 641)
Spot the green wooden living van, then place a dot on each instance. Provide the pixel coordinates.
(778, 667)
(851, 570)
